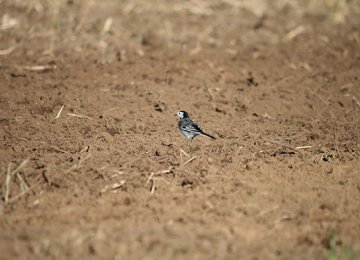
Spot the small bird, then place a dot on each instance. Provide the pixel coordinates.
(188, 128)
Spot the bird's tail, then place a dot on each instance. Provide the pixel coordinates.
(207, 135)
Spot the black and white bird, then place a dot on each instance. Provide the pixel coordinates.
(188, 128)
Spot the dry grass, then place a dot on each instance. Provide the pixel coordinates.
(9, 181)
(62, 20)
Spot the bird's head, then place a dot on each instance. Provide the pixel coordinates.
(182, 114)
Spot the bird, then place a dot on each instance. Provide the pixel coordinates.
(188, 128)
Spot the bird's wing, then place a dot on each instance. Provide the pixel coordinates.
(190, 126)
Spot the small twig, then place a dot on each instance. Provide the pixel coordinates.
(150, 177)
(117, 174)
(39, 67)
(166, 171)
(185, 153)
(115, 186)
(152, 189)
(24, 187)
(9, 176)
(152, 181)
(303, 147)
(182, 152)
(107, 25)
(356, 101)
(8, 22)
(85, 149)
(59, 150)
(295, 32)
(59, 113)
(7, 183)
(80, 116)
(154, 176)
(13, 199)
(190, 160)
(7, 51)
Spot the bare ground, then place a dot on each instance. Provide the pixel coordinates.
(88, 96)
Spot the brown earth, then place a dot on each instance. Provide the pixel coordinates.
(104, 178)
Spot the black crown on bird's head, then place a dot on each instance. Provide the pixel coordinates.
(182, 114)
